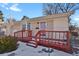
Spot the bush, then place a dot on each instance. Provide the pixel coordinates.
(7, 44)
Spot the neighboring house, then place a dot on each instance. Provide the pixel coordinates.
(55, 22)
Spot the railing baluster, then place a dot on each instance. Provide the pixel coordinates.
(48, 38)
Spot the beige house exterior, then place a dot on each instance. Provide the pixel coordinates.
(55, 22)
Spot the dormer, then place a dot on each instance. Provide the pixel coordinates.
(24, 18)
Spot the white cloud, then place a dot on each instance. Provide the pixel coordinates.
(77, 18)
(7, 8)
(4, 5)
(15, 8)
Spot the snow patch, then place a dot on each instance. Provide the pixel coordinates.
(24, 50)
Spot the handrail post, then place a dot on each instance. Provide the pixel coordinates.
(30, 34)
(22, 34)
(68, 40)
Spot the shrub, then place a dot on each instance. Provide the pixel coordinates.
(7, 44)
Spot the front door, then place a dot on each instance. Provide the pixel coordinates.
(42, 25)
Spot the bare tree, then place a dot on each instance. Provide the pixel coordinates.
(56, 8)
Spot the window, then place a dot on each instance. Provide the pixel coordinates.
(42, 25)
(24, 26)
(28, 26)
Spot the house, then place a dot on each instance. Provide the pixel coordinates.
(55, 22)
(55, 30)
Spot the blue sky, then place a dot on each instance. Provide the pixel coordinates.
(75, 17)
(17, 10)
(21, 9)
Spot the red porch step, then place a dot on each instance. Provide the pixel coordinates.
(32, 44)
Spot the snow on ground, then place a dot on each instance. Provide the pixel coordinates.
(24, 50)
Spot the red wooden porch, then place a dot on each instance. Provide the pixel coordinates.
(55, 39)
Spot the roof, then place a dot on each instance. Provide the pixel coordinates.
(52, 16)
(48, 17)
(24, 17)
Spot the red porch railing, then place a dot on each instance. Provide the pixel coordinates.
(55, 39)
(23, 35)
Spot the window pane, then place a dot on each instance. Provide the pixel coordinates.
(42, 25)
(28, 26)
(24, 26)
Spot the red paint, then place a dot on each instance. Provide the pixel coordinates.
(22, 36)
(48, 39)
(61, 43)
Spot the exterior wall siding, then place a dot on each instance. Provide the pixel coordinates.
(61, 24)
(53, 23)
